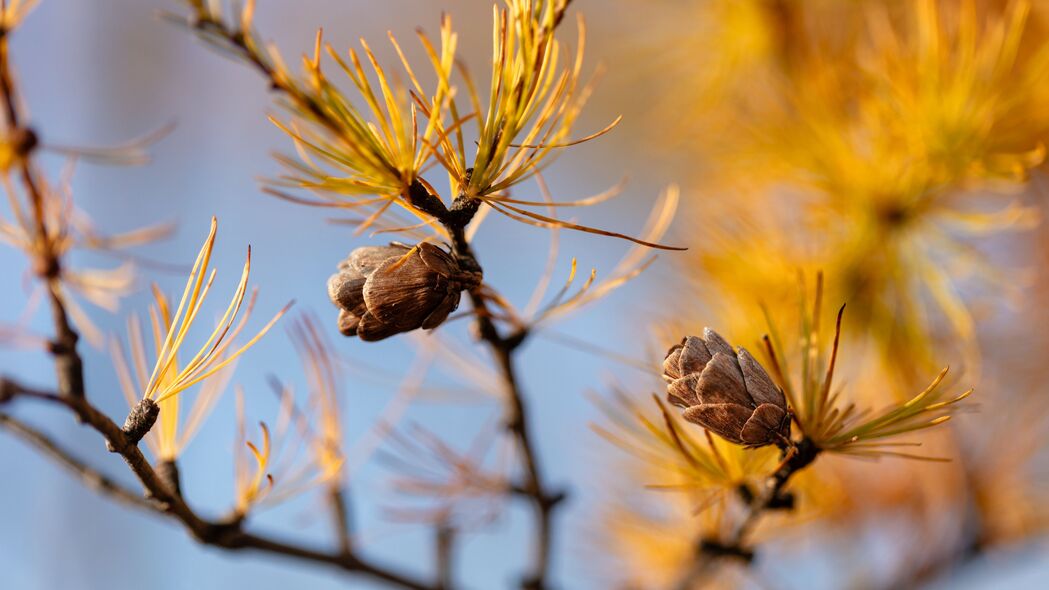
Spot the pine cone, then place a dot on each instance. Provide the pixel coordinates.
(728, 393)
(386, 290)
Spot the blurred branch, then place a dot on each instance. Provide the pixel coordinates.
(544, 499)
(69, 367)
(91, 477)
(341, 518)
(445, 548)
(772, 497)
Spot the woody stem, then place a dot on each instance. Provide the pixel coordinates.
(543, 498)
(772, 496)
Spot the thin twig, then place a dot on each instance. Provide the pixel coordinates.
(341, 518)
(503, 346)
(69, 367)
(445, 549)
(773, 496)
(91, 477)
(543, 498)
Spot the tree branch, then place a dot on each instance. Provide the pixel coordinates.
(773, 496)
(455, 219)
(161, 500)
(543, 498)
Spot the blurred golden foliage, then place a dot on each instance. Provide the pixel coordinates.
(884, 144)
(878, 157)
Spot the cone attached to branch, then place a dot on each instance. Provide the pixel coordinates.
(725, 391)
(386, 290)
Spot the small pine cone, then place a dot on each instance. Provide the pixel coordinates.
(386, 290)
(727, 392)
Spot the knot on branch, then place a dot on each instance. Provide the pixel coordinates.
(456, 217)
(716, 548)
(47, 267)
(420, 198)
(745, 493)
(222, 534)
(514, 340)
(462, 211)
(23, 141)
(782, 501)
(545, 500)
(167, 471)
(139, 421)
(805, 452)
(64, 345)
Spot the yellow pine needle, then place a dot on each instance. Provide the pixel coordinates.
(615, 123)
(170, 436)
(843, 429)
(635, 262)
(556, 300)
(668, 449)
(254, 491)
(532, 103)
(611, 193)
(551, 260)
(168, 378)
(442, 64)
(321, 371)
(578, 296)
(379, 154)
(247, 481)
(136, 237)
(14, 11)
(247, 15)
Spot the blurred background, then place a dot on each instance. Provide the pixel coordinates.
(895, 146)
